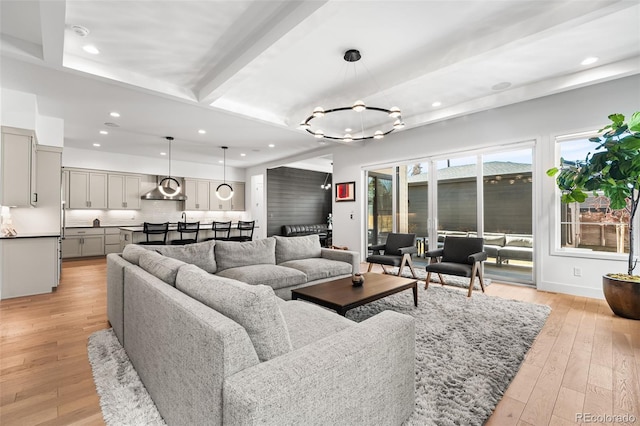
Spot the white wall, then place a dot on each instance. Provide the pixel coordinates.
(540, 120)
(18, 109)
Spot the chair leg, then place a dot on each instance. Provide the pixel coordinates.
(441, 279)
(370, 266)
(426, 283)
(474, 271)
(481, 278)
(406, 260)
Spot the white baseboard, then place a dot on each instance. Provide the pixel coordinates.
(594, 293)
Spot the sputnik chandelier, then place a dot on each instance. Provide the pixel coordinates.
(341, 124)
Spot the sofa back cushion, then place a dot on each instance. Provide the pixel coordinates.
(162, 267)
(295, 248)
(494, 239)
(254, 307)
(199, 254)
(231, 254)
(519, 241)
(132, 252)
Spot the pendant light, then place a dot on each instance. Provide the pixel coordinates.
(164, 186)
(224, 186)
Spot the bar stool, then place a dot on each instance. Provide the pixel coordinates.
(187, 228)
(245, 230)
(221, 231)
(155, 229)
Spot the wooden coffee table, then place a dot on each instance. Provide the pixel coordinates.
(341, 295)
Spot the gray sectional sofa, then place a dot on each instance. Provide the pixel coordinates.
(502, 247)
(213, 344)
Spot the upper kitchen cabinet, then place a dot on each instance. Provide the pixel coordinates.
(19, 168)
(197, 192)
(236, 202)
(87, 190)
(124, 192)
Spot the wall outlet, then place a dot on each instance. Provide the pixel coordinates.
(577, 272)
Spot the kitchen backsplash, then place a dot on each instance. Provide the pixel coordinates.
(151, 211)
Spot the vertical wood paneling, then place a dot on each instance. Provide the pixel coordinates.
(294, 197)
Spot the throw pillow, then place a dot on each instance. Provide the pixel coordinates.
(199, 254)
(295, 248)
(254, 307)
(231, 254)
(162, 267)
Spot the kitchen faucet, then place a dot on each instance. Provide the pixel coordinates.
(184, 216)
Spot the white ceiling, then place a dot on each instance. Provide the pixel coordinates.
(248, 72)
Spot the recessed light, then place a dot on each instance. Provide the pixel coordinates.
(243, 155)
(114, 114)
(271, 145)
(90, 48)
(590, 60)
(202, 132)
(163, 153)
(501, 86)
(104, 132)
(220, 161)
(96, 144)
(348, 129)
(436, 104)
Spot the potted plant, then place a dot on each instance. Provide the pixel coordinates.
(613, 169)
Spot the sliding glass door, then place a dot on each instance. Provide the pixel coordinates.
(487, 194)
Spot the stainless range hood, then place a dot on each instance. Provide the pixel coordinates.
(156, 194)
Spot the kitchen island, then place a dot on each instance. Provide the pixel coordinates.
(134, 234)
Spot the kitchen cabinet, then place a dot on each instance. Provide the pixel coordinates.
(87, 190)
(28, 266)
(80, 242)
(197, 192)
(19, 168)
(123, 192)
(112, 240)
(236, 202)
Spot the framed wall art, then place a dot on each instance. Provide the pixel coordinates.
(346, 191)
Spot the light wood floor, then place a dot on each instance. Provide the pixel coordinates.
(585, 359)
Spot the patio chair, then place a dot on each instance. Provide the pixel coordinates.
(397, 252)
(459, 256)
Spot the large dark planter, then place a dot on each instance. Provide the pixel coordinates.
(622, 296)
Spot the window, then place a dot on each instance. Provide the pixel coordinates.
(591, 225)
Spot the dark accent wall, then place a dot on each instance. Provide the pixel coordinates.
(294, 197)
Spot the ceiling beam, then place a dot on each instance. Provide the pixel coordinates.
(280, 21)
(52, 26)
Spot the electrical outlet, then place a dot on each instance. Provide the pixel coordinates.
(577, 272)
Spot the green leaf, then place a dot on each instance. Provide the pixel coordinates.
(567, 198)
(630, 142)
(634, 122)
(578, 195)
(595, 139)
(618, 119)
(552, 171)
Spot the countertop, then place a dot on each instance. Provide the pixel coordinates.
(33, 235)
(173, 226)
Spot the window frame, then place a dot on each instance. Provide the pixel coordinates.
(555, 239)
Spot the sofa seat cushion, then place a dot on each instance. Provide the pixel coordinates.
(199, 254)
(254, 307)
(308, 323)
(491, 250)
(274, 276)
(232, 254)
(294, 248)
(317, 269)
(162, 267)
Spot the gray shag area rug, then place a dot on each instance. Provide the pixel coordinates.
(123, 398)
(467, 352)
(448, 279)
